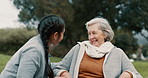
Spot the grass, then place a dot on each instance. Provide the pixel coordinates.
(55, 59)
(5, 58)
(141, 66)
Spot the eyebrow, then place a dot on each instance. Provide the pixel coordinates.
(92, 31)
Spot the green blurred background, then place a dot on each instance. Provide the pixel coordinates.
(128, 18)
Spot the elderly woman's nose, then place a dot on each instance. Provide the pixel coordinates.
(91, 36)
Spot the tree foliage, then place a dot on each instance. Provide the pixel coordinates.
(129, 16)
(31, 11)
(145, 50)
(126, 41)
(125, 14)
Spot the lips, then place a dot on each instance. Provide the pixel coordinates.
(93, 41)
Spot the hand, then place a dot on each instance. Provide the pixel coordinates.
(65, 74)
(59, 77)
(126, 75)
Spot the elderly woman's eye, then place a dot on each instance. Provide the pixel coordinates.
(94, 33)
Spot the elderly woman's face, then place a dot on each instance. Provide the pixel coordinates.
(95, 35)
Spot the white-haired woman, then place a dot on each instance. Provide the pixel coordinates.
(97, 57)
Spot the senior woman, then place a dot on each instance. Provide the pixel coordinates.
(97, 57)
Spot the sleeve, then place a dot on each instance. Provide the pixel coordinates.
(64, 65)
(128, 66)
(29, 64)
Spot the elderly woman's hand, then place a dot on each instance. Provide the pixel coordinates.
(126, 74)
(65, 74)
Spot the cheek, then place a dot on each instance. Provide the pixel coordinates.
(61, 38)
(101, 37)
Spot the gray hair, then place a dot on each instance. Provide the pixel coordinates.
(104, 26)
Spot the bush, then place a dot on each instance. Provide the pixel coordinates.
(127, 42)
(59, 51)
(12, 39)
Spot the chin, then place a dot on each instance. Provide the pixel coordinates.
(95, 45)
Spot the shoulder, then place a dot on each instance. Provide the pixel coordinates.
(31, 52)
(117, 51)
(32, 49)
(75, 47)
(35, 41)
(33, 44)
(117, 54)
(74, 50)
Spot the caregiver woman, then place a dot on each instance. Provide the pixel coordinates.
(31, 60)
(98, 57)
